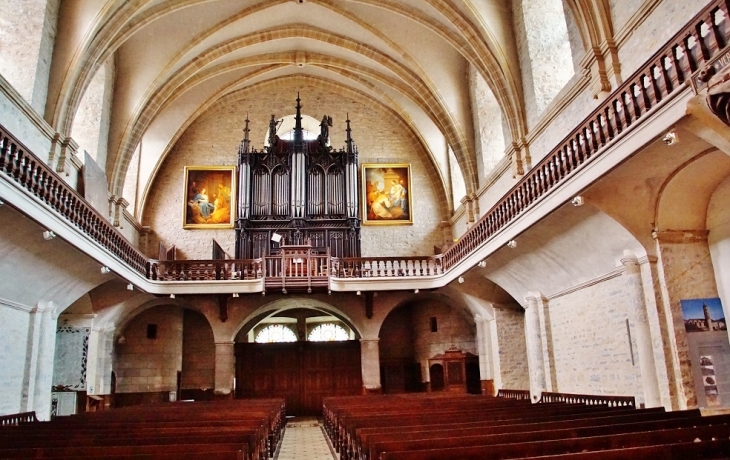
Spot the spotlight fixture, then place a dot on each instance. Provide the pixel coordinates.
(172, 296)
(130, 287)
(104, 270)
(235, 295)
(283, 290)
(2, 202)
(482, 264)
(358, 293)
(512, 244)
(48, 235)
(461, 279)
(577, 201)
(415, 291)
(670, 138)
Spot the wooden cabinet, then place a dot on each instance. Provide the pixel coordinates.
(452, 371)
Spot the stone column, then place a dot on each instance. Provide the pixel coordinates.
(99, 361)
(39, 361)
(225, 368)
(533, 339)
(370, 363)
(484, 348)
(639, 324)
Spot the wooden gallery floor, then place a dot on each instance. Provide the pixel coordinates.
(304, 439)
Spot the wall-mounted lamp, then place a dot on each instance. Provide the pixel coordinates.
(670, 138)
(415, 291)
(358, 293)
(235, 295)
(104, 270)
(48, 235)
(482, 264)
(512, 244)
(130, 287)
(577, 201)
(461, 279)
(172, 296)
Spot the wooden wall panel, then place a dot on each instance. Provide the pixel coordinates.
(302, 372)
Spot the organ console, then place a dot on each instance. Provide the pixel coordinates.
(296, 192)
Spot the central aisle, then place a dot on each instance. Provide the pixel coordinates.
(304, 439)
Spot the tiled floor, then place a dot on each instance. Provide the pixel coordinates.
(304, 439)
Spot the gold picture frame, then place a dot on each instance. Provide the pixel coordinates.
(209, 197)
(387, 194)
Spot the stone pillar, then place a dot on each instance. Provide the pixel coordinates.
(370, 363)
(639, 324)
(99, 361)
(533, 339)
(486, 360)
(225, 368)
(39, 361)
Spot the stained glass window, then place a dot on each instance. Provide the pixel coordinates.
(328, 332)
(275, 333)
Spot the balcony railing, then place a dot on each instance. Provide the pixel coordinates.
(662, 76)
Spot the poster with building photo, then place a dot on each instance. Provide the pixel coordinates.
(703, 315)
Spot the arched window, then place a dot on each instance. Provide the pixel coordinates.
(289, 136)
(328, 332)
(275, 333)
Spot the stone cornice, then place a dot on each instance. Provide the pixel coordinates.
(15, 305)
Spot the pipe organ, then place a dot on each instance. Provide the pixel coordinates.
(298, 192)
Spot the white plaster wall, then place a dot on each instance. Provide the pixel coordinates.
(591, 348)
(718, 225)
(14, 327)
(512, 348)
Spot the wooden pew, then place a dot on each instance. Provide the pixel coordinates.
(230, 429)
(475, 448)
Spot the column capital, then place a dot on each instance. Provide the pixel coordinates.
(369, 340)
(532, 297)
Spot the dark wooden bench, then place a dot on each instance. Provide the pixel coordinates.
(443, 448)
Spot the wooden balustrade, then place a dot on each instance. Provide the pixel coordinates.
(16, 419)
(570, 398)
(664, 74)
(513, 394)
(32, 174)
(205, 270)
(374, 267)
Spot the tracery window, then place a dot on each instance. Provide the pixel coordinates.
(328, 332)
(276, 333)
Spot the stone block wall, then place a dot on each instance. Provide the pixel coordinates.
(149, 365)
(454, 329)
(396, 335)
(591, 348)
(14, 327)
(213, 139)
(512, 348)
(198, 352)
(26, 63)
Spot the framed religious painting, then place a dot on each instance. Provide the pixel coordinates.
(209, 197)
(387, 194)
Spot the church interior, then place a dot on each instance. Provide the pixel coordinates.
(227, 199)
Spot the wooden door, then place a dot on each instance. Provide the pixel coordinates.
(302, 372)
